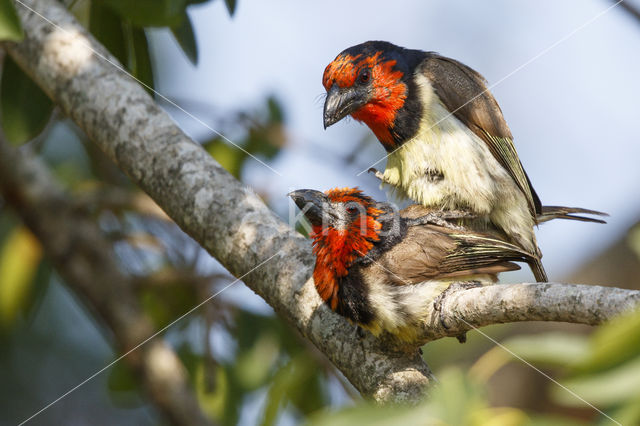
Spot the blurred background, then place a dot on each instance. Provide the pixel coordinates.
(566, 77)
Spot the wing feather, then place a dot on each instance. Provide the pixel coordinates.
(429, 252)
(464, 93)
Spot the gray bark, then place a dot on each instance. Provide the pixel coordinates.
(234, 225)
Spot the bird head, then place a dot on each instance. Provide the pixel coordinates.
(345, 227)
(373, 82)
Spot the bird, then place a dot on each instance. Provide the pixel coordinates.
(448, 144)
(380, 267)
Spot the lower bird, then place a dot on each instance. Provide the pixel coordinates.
(380, 268)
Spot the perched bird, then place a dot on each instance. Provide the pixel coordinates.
(448, 144)
(380, 268)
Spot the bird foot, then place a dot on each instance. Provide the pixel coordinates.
(441, 218)
(376, 173)
(437, 303)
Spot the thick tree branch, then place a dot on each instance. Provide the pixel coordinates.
(232, 223)
(463, 310)
(225, 217)
(85, 258)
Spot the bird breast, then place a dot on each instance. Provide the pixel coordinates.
(471, 177)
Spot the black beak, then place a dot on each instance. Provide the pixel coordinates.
(311, 202)
(341, 102)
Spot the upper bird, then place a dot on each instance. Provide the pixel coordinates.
(448, 144)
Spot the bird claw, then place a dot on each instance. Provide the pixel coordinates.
(438, 301)
(376, 173)
(441, 218)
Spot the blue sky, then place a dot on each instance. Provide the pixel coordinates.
(570, 94)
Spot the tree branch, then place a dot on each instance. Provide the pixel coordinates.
(462, 310)
(85, 258)
(225, 217)
(229, 220)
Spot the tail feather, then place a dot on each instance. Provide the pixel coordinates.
(538, 270)
(561, 212)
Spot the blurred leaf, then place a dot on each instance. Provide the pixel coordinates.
(106, 26)
(167, 303)
(253, 366)
(549, 420)
(456, 401)
(19, 258)
(127, 43)
(613, 343)
(81, 10)
(289, 376)
(139, 61)
(189, 359)
(555, 348)
(276, 112)
(123, 386)
(629, 413)
(185, 37)
(215, 404)
(614, 386)
(10, 28)
(229, 157)
(25, 108)
(633, 239)
(149, 13)
(372, 415)
(231, 6)
(305, 391)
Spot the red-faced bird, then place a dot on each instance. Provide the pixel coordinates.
(381, 268)
(448, 144)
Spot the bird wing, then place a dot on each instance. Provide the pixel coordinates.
(464, 93)
(429, 252)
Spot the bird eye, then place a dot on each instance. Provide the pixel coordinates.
(364, 76)
(352, 210)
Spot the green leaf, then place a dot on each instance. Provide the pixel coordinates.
(253, 366)
(231, 6)
(455, 401)
(19, 258)
(275, 109)
(294, 380)
(553, 348)
(106, 26)
(629, 413)
(229, 157)
(215, 403)
(25, 109)
(149, 13)
(613, 343)
(612, 387)
(185, 37)
(139, 59)
(10, 28)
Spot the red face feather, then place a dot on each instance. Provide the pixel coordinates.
(389, 91)
(336, 249)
